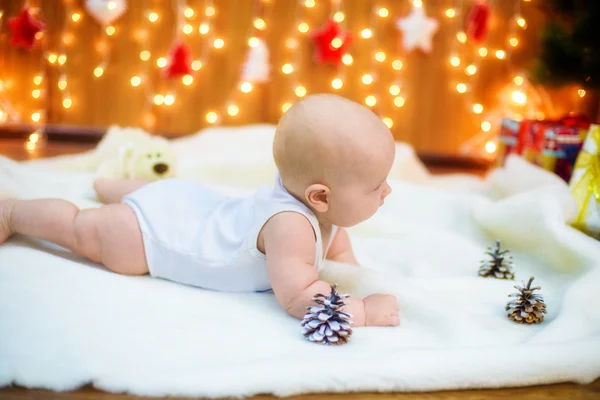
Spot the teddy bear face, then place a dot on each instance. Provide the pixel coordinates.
(153, 163)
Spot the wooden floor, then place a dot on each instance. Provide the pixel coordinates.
(15, 149)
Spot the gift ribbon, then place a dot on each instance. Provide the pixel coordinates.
(589, 183)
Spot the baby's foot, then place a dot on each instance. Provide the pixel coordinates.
(6, 206)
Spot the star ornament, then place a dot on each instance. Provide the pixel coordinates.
(331, 43)
(417, 30)
(23, 29)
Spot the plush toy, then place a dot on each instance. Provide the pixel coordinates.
(133, 154)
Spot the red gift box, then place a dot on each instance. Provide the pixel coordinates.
(551, 144)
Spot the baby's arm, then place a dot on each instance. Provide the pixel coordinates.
(289, 243)
(111, 191)
(341, 248)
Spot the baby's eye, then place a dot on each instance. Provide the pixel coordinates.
(149, 155)
(158, 155)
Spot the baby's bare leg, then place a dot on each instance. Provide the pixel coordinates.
(111, 191)
(109, 235)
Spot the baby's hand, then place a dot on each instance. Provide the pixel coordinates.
(381, 310)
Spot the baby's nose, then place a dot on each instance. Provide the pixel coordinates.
(161, 168)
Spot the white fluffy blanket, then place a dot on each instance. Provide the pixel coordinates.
(65, 322)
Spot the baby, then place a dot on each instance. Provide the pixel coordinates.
(333, 158)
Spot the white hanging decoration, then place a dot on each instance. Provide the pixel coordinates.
(257, 67)
(106, 11)
(417, 30)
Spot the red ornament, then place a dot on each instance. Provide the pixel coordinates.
(477, 21)
(331, 43)
(23, 29)
(179, 62)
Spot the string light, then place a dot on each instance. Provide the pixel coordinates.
(477, 108)
(366, 33)
(159, 99)
(110, 30)
(399, 101)
(285, 107)
(482, 51)
(455, 61)
(500, 54)
(367, 79)
(338, 16)
(300, 91)
(337, 83)
(418, 3)
(347, 59)
(461, 88)
(52, 58)
(397, 65)
(259, 24)
(309, 3)
(450, 13)
(581, 92)
(211, 117)
(62, 83)
(98, 71)
(287, 69)
(291, 43)
(383, 12)
(519, 97)
(189, 13)
(371, 100)
(75, 17)
(161, 62)
(153, 17)
(336, 43)
(253, 42)
(518, 80)
(219, 43)
(233, 110)
(37, 80)
(169, 100)
(203, 29)
(303, 27)
(67, 102)
(35, 93)
(388, 122)
(246, 87)
(196, 65)
(471, 70)
(490, 146)
(514, 42)
(135, 81)
(145, 55)
(521, 22)
(462, 37)
(62, 59)
(111, 5)
(209, 11)
(380, 56)
(35, 117)
(187, 29)
(486, 126)
(394, 90)
(187, 80)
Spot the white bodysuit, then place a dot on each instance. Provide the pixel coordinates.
(196, 236)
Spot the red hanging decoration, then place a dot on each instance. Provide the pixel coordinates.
(477, 21)
(24, 28)
(179, 62)
(331, 43)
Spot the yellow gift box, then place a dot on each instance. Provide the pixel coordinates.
(585, 184)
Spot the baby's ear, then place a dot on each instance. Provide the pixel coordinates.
(317, 196)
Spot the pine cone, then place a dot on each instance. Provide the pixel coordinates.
(499, 266)
(326, 323)
(527, 308)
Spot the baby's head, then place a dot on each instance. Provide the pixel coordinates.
(334, 155)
